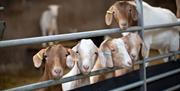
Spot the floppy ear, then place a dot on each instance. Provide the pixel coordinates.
(134, 13)
(143, 49)
(109, 16)
(105, 55)
(69, 59)
(38, 58)
(75, 48)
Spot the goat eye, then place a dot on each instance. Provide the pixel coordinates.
(96, 53)
(113, 50)
(67, 55)
(45, 56)
(77, 52)
(129, 10)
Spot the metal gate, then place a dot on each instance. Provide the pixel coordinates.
(71, 36)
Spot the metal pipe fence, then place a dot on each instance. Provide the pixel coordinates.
(63, 80)
(139, 8)
(79, 35)
(173, 88)
(151, 79)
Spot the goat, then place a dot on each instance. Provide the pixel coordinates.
(126, 15)
(81, 62)
(164, 40)
(134, 45)
(48, 22)
(112, 53)
(53, 59)
(74, 60)
(178, 8)
(88, 52)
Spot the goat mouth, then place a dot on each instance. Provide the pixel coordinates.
(57, 76)
(85, 73)
(127, 66)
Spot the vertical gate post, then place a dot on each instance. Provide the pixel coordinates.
(141, 23)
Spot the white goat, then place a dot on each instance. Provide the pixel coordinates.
(82, 62)
(164, 40)
(112, 53)
(48, 22)
(74, 60)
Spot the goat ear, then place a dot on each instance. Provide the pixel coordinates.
(134, 13)
(69, 59)
(75, 48)
(109, 16)
(105, 56)
(69, 62)
(38, 58)
(143, 49)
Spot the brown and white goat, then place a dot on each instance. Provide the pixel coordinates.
(126, 15)
(134, 45)
(53, 59)
(164, 40)
(113, 53)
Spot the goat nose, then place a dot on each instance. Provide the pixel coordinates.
(124, 24)
(57, 71)
(86, 67)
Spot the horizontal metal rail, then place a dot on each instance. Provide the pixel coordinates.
(173, 88)
(72, 36)
(155, 58)
(63, 80)
(151, 79)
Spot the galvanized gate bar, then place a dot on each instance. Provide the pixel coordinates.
(173, 88)
(47, 83)
(54, 82)
(142, 71)
(151, 79)
(155, 58)
(72, 36)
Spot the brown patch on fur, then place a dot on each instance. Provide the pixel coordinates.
(122, 10)
(55, 56)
